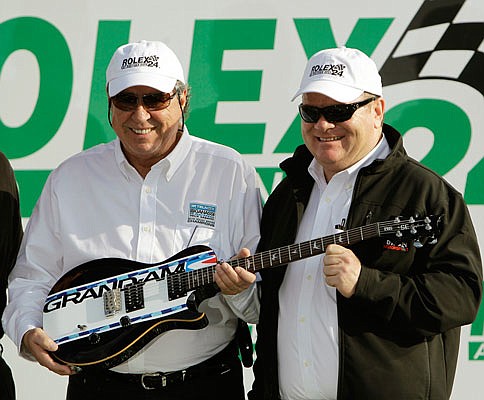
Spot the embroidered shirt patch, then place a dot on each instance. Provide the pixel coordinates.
(203, 214)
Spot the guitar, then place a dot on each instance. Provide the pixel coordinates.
(104, 311)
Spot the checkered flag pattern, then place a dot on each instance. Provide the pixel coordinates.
(444, 41)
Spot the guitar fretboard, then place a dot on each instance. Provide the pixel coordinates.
(310, 248)
(294, 252)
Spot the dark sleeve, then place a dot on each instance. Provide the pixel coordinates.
(442, 287)
(10, 226)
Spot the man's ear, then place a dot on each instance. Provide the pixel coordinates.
(183, 99)
(379, 110)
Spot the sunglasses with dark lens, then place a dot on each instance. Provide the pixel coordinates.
(336, 113)
(151, 102)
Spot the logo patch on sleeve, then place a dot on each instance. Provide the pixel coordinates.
(203, 214)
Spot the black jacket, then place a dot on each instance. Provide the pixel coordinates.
(10, 227)
(399, 333)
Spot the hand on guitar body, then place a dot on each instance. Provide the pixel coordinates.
(341, 269)
(233, 280)
(39, 345)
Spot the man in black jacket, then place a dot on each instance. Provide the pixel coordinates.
(10, 237)
(374, 317)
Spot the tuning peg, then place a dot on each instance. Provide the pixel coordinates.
(433, 240)
(413, 231)
(418, 244)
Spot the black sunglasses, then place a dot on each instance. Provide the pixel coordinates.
(151, 102)
(336, 113)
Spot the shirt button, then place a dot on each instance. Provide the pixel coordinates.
(146, 229)
(302, 320)
(307, 363)
(309, 277)
(148, 190)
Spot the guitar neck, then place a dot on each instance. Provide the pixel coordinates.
(294, 252)
(283, 255)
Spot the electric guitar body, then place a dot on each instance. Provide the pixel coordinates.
(104, 311)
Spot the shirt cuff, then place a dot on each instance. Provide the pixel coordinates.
(245, 304)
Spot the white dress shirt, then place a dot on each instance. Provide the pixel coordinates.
(308, 322)
(96, 205)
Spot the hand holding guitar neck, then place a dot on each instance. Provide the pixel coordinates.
(341, 269)
(233, 280)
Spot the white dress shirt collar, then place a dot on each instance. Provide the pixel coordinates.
(167, 166)
(380, 151)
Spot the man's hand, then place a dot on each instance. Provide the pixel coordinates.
(38, 344)
(233, 280)
(341, 269)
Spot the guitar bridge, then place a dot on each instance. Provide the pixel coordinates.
(112, 302)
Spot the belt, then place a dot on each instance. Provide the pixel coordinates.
(160, 380)
(219, 364)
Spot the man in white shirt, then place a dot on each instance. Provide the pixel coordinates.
(146, 196)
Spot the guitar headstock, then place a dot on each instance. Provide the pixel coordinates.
(413, 228)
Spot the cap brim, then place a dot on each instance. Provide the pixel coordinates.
(337, 91)
(161, 83)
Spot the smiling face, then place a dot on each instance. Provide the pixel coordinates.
(337, 146)
(147, 136)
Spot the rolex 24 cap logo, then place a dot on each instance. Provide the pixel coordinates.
(143, 61)
(330, 69)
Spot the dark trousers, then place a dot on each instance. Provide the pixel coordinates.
(7, 386)
(227, 384)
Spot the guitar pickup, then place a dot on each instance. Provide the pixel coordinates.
(176, 286)
(112, 302)
(134, 297)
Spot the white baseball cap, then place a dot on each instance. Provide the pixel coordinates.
(144, 63)
(342, 74)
